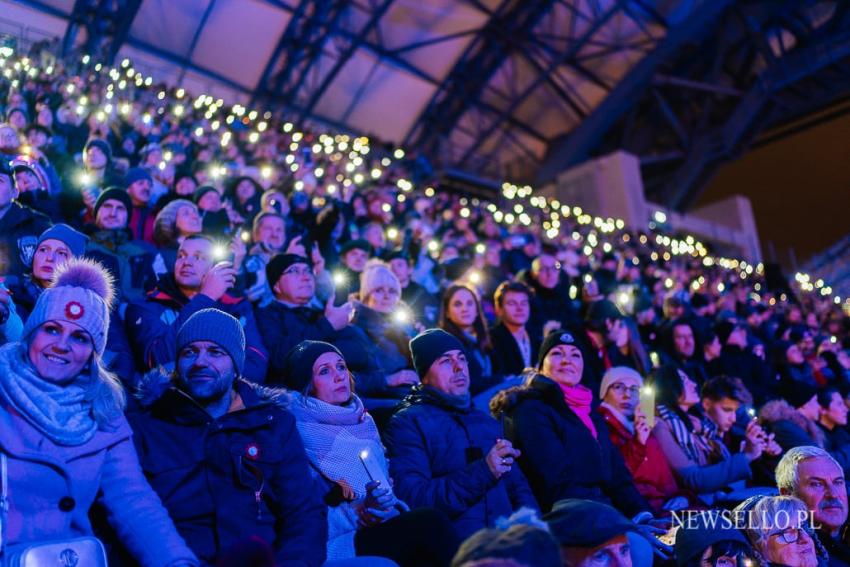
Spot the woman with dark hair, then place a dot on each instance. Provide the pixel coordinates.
(701, 464)
(245, 194)
(462, 317)
(347, 457)
(565, 448)
(64, 440)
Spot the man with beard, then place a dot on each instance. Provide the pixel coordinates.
(447, 455)
(196, 283)
(813, 476)
(224, 455)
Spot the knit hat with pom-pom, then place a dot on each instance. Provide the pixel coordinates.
(81, 293)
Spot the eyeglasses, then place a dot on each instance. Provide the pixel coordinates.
(789, 535)
(298, 272)
(621, 388)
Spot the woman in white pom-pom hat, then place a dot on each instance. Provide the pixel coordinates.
(64, 440)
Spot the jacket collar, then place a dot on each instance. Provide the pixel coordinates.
(177, 406)
(167, 292)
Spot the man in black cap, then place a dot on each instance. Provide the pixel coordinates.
(112, 243)
(447, 455)
(353, 256)
(592, 533)
(20, 227)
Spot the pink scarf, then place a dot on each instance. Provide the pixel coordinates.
(578, 397)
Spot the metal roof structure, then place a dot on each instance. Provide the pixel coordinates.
(505, 89)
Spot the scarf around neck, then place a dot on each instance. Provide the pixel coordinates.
(579, 398)
(60, 412)
(334, 437)
(693, 445)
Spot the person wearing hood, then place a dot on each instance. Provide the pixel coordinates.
(20, 226)
(713, 541)
(64, 440)
(197, 282)
(444, 453)
(345, 451)
(794, 423)
(223, 453)
(566, 450)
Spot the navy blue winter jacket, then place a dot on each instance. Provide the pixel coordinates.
(437, 459)
(225, 480)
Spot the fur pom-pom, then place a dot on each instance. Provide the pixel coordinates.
(88, 274)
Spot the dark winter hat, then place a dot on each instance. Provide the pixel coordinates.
(643, 302)
(398, 254)
(76, 241)
(352, 244)
(201, 191)
(699, 300)
(280, 263)
(116, 194)
(298, 364)
(711, 529)
(216, 326)
(554, 339)
(428, 346)
(15, 109)
(102, 145)
(137, 174)
(601, 310)
(724, 329)
(797, 394)
(586, 523)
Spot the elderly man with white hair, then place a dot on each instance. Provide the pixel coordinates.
(813, 476)
(629, 431)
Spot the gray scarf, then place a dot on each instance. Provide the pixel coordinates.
(61, 413)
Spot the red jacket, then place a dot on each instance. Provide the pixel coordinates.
(647, 463)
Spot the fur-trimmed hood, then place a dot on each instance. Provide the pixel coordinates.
(157, 382)
(779, 410)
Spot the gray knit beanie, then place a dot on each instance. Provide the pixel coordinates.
(218, 327)
(165, 224)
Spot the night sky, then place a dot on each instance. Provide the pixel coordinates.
(799, 188)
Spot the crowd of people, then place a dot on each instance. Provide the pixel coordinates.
(229, 339)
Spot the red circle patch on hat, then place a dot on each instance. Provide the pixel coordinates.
(74, 310)
(252, 451)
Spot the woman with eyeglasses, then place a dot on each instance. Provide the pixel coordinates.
(780, 529)
(630, 433)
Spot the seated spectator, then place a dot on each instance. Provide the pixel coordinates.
(680, 349)
(385, 322)
(792, 365)
(591, 533)
(513, 346)
(700, 461)
(604, 324)
(20, 226)
(553, 406)
(364, 517)
(268, 234)
(177, 220)
(223, 454)
(290, 319)
(833, 418)
(713, 542)
(778, 528)
(442, 451)
(794, 423)
(66, 442)
(523, 539)
(244, 192)
(214, 216)
(33, 187)
(353, 256)
(424, 305)
(737, 360)
(812, 475)
(130, 260)
(196, 283)
(138, 182)
(630, 433)
(461, 317)
(551, 300)
(54, 247)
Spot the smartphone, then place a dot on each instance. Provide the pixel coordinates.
(647, 404)
(373, 468)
